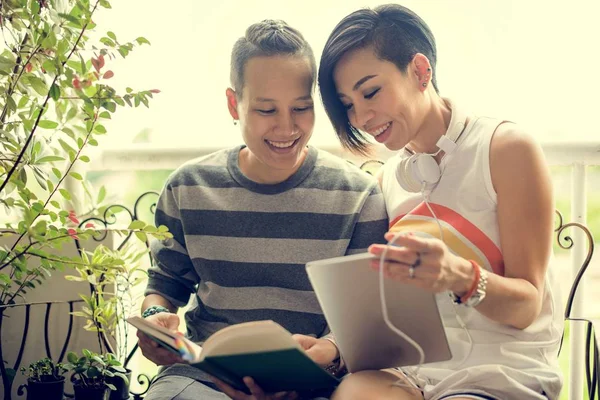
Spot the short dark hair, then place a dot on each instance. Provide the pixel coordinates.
(263, 39)
(396, 34)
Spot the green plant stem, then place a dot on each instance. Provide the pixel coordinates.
(51, 194)
(33, 129)
(7, 263)
(13, 84)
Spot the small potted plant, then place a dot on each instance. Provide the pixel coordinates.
(45, 380)
(91, 374)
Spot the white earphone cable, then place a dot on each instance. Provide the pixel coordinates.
(384, 310)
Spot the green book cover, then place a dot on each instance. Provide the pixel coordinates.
(273, 371)
(262, 350)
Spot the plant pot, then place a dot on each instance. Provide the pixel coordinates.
(122, 392)
(53, 390)
(91, 392)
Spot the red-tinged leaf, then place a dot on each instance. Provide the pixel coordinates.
(73, 233)
(76, 83)
(108, 74)
(101, 60)
(74, 220)
(96, 64)
(28, 67)
(154, 91)
(90, 225)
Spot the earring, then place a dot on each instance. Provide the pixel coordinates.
(235, 121)
(427, 77)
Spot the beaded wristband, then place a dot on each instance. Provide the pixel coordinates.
(154, 310)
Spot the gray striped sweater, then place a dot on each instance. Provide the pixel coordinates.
(240, 247)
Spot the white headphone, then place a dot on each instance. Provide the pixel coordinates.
(420, 171)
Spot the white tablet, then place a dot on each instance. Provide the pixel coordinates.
(348, 290)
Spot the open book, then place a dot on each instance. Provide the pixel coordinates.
(263, 350)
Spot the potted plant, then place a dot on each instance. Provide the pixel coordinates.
(91, 374)
(45, 380)
(111, 302)
(55, 96)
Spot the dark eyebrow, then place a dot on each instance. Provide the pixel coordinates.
(265, 100)
(358, 84)
(362, 80)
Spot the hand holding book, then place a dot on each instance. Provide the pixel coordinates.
(262, 350)
(154, 351)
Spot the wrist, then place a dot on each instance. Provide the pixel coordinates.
(154, 309)
(336, 356)
(465, 277)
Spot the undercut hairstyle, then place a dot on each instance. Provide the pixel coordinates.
(395, 33)
(265, 39)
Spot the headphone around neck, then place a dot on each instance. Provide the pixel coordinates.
(420, 171)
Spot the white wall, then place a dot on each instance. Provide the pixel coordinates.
(531, 61)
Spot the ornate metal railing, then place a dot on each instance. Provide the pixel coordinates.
(8, 373)
(592, 372)
(108, 219)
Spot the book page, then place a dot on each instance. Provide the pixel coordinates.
(192, 351)
(249, 337)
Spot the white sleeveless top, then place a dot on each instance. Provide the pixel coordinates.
(503, 361)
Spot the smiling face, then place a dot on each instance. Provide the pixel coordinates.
(381, 100)
(276, 114)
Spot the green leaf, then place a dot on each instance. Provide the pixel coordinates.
(100, 129)
(12, 106)
(76, 176)
(142, 236)
(65, 193)
(137, 224)
(111, 35)
(57, 172)
(55, 92)
(105, 4)
(23, 102)
(72, 357)
(69, 18)
(110, 106)
(49, 159)
(66, 147)
(105, 115)
(142, 40)
(93, 142)
(82, 65)
(106, 41)
(49, 66)
(85, 159)
(6, 64)
(40, 178)
(71, 114)
(101, 195)
(55, 203)
(47, 124)
(37, 84)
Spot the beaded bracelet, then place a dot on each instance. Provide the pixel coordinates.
(154, 310)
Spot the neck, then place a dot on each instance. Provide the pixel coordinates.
(435, 124)
(260, 172)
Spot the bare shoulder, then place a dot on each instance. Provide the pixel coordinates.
(514, 154)
(511, 141)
